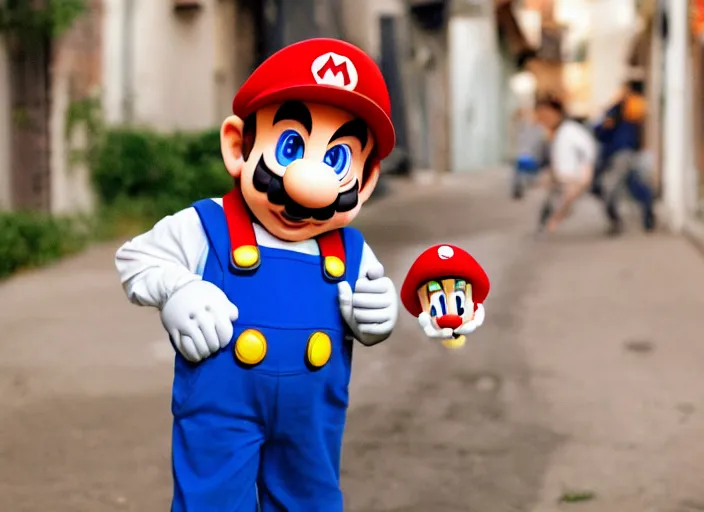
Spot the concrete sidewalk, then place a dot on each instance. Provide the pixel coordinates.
(614, 334)
(595, 348)
(587, 375)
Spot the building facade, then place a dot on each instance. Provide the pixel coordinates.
(41, 80)
(173, 66)
(167, 65)
(675, 71)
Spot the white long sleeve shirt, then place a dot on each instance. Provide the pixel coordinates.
(573, 150)
(154, 265)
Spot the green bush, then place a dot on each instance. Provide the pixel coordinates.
(139, 176)
(160, 174)
(32, 239)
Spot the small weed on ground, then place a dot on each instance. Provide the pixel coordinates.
(577, 496)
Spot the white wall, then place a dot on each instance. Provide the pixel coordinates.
(608, 27)
(677, 168)
(611, 33)
(5, 131)
(475, 94)
(174, 64)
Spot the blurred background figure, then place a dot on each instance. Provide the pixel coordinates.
(620, 134)
(530, 150)
(571, 162)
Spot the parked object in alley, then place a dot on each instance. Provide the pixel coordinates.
(445, 289)
(262, 291)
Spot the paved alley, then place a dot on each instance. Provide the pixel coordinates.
(586, 378)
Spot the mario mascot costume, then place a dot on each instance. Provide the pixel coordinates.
(262, 292)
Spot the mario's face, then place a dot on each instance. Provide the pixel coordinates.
(303, 168)
(448, 302)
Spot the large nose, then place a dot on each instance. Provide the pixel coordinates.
(311, 184)
(451, 321)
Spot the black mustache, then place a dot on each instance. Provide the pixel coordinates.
(266, 181)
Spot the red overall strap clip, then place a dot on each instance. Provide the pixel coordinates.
(332, 252)
(243, 241)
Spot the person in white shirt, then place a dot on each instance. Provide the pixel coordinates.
(572, 155)
(263, 291)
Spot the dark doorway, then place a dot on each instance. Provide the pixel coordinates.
(391, 69)
(390, 65)
(30, 100)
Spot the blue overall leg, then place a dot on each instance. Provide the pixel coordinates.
(276, 426)
(217, 435)
(219, 412)
(301, 465)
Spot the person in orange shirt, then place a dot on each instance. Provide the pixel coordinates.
(620, 135)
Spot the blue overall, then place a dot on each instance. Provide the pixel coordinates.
(267, 437)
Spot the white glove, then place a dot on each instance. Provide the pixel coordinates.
(424, 320)
(471, 326)
(372, 310)
(198, 318)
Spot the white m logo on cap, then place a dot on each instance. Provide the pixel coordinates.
(334, 69)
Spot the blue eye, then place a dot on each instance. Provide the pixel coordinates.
(289, 148)
(339, 158)
(438, 304)
(459, 302)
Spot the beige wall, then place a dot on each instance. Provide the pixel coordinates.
(578, 88)
(71, 190)
(5, 135)
(184, 77)
(76, 72)
(184, 70)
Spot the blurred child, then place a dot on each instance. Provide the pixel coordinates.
(530, 151)
(572, 157)
(620, 135)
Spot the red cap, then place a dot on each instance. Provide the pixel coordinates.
(327, 71)
(441, 262)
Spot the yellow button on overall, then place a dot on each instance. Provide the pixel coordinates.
(334, 266)
(246, 256)
(250, 347)
(319, 349)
